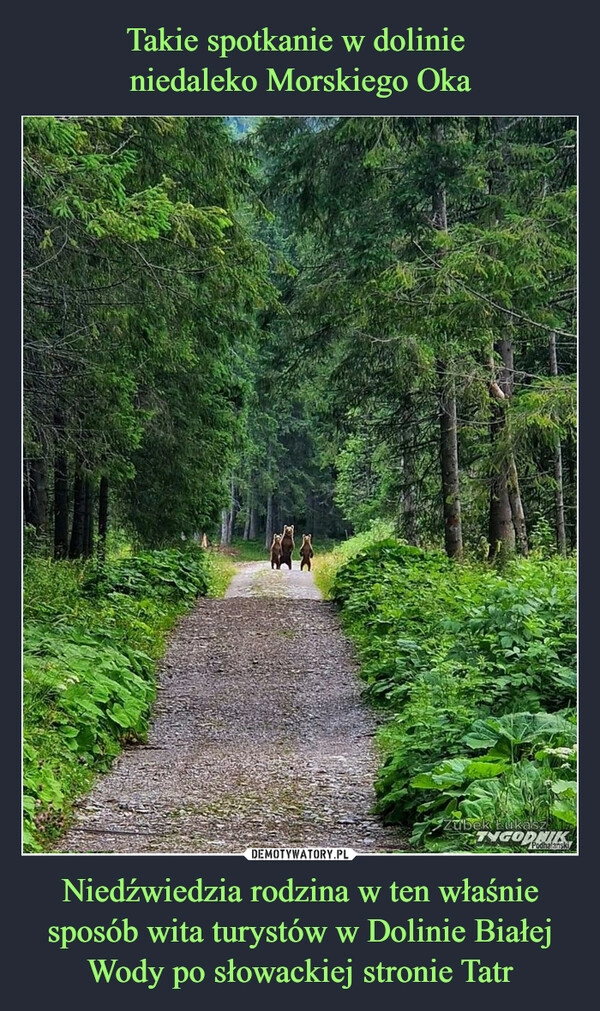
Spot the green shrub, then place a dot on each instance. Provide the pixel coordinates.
(443, 645)
(169, 574)
(329, 559)
(92, 635)
(527, 773)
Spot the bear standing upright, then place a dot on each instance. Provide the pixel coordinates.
(276, 552)
(287, 546)
(306, 551)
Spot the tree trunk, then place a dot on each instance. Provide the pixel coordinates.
(507, 526)
(448, 417)
(228, 515)
(77, 528)
(61, 506)
(61, 488)
(559, 502)
(253, 533)
(225, 528)
(311, 514)
(88, 517)
(246, 534)
(516, 507)
(439, 205)
(252, 509)
(501, 533)
(561, 534)
(450, 473)
(278, 520)
(408, 501)
(26, 496)
(102, 517)
(507, 384)
(37, 497)
(269, 522)
(570, 463)
(234, 508)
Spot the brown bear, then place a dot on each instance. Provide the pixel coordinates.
(287, 546)
(276, 552)
(306, 551)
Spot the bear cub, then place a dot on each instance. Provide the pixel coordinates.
(276, 552)
(306, 551)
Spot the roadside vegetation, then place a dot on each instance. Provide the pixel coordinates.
(92, 637)
(475, 672)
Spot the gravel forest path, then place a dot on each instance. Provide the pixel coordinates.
(259, 736)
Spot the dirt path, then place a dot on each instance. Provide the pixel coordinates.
(260, 737)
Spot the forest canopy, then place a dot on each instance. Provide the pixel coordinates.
(357, 328)
(232, 323)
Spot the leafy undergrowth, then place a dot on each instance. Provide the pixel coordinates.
(327, 562)
(92, 637)
(477, 669)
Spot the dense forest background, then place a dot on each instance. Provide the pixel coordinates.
(364, 327)
(235, 323)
